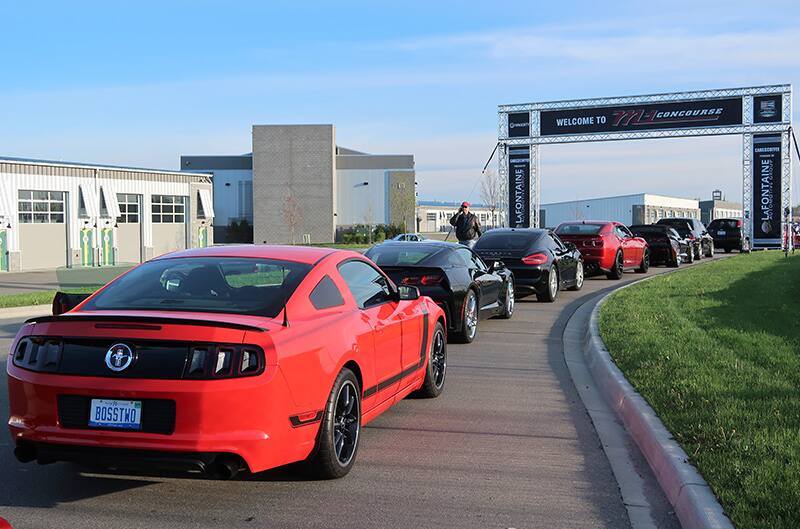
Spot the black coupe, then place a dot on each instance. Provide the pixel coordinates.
(454, 276)
(540, 261)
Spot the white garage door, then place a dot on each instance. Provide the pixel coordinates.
(42, 229)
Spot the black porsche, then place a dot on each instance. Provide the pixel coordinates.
(541, 263)
(454, 276)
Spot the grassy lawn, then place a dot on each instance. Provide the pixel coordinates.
(40, 297)
(715, 350)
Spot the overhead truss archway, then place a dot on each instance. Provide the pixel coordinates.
(762, 115)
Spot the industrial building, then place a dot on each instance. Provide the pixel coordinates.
(59, 214)
(642, 208)
(434, 216)
(298, 186)
(719, 208)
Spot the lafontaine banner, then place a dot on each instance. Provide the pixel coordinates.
(519, 186)
(767, 191)
(648, 116)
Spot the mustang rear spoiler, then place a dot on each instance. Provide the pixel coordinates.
(99, 318)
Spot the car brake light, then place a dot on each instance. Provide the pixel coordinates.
(209, 362)
(535, 259)
(738, 223)
(594, 241)
(429, 279)
(37, 353)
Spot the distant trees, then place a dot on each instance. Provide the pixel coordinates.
(492, 192)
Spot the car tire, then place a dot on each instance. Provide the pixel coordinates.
(619, 267)
(676, 262)
(690, 256)
(469, 322)
(645, 265)
(710, 252)
(509, 301)
(579, 277)
(698, 252)
(436, 368)
(729, 250)
(340, 431)
(551, 289)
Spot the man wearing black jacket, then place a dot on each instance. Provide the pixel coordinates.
(468, 229)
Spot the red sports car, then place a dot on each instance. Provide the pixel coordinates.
(224, 359)
(606, 246)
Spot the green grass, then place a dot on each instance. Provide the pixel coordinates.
(40, 297)
(715, 350)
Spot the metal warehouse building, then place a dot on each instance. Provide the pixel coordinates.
(642, 208)
(298, 185)
(57, 214)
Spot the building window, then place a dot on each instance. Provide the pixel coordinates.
(128, 208)
(41, 207)
(431, 216)
(168, 209)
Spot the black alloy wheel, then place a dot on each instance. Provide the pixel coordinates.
(690, 255)
(437, 365)
(550, 291)
(698, 251)
(340, 431)
(645, 265)
(619, 267)
(578, 277)
(469, 324)
(508, 301)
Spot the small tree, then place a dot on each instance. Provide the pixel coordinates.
(292, 215)
(491, 191)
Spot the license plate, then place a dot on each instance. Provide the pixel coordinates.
(122, 414)
(721, 232)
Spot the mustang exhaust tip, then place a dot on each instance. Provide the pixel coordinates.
(25, 453)
(224, 467)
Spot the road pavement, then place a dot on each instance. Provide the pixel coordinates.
(508, 445)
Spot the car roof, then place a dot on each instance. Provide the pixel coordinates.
(495, 231)
(427, 243)
(299, 254)
(592, 222)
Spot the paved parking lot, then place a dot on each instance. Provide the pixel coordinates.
(508, 444)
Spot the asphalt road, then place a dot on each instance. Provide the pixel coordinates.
(508, 445)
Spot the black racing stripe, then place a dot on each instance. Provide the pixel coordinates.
(406, 372)
(296, 422)
(423, 348)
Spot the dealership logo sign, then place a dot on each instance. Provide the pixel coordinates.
(119, 357)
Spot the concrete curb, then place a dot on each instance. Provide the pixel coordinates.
(28, 310)
(692, 498)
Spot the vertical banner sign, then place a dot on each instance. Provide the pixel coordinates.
(3, 250)
(767, 173)
(202, 237)
(87, 247)
(107, 236)
(519, 180)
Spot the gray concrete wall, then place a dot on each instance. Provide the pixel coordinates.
(293, 164)
(401, 199)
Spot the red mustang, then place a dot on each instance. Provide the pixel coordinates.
(607, 246)
(224, 359)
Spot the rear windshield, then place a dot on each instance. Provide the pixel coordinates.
(509, 240)
(579, 229)
(724, 224)
(227, 285)
(392, 254)
(649, 230)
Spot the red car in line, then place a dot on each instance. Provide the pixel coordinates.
(606, 246)
(224, 359)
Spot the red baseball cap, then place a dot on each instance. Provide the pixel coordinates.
(465, 204)
(4, 524)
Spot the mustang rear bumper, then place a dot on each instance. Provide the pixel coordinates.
(247, 418)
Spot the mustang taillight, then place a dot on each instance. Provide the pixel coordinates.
(427, 280)
(535, 259)
(38, 353)
(596, 242)
(210, 362)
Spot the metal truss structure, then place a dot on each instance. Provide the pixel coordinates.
(747, 129)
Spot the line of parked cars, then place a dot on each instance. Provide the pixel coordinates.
(508, 263)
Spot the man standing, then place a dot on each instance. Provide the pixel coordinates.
(468, 229)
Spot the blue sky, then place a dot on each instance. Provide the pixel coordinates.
(140, 83)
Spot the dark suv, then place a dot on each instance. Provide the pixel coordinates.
(727, 234)
(695, 231)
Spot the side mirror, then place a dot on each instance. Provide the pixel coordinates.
(498, 265)
(63, 302)
(408, 293)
